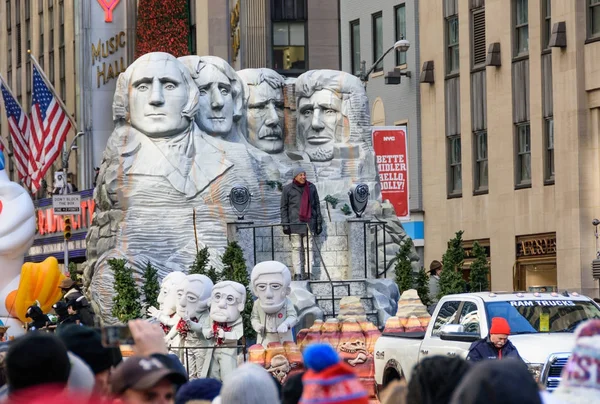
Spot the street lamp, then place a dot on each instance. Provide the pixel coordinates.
(402, 46)
(65, 159)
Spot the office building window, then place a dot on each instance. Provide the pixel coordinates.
(593, 18)
(549, 146)
(478, 50)
(452, 54)
(523, 158)
(8, 15)
(51, 66)
(481, 161)
(355, 47)
(546, 23)
(400, 12)
(521, 32)
(61, 30)
(289, 46)
(377, 40)
(192, 40)
(454, 166)
(9, 53)
(289, 35)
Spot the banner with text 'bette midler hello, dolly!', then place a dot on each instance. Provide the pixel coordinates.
(391, 149)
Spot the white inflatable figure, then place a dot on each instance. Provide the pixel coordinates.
(17, 230)
(194, 300)
(225, 328)
(175, 338)
(167, 301)
(273, 314)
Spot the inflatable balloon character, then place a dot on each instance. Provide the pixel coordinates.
(17, 229)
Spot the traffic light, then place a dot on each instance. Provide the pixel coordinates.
(67, 228)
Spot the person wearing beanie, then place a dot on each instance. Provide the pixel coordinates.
(329, 380)
(300, 204)
(580, 383)
(496, 345)
(198, 391)
(36, 361)
(248, 384)
(86, 343)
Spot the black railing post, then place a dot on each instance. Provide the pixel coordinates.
(272, 245)
(384, 252)
(308, 234)
(376, 249)
(254, 243)
(365, 245)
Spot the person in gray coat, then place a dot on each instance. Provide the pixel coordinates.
(300, 204)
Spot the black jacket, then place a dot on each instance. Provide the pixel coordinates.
(484, 349)
(291, 198)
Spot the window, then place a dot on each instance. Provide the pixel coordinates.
(481, 161)
(28, 73)
(454, 169)
(469, 318)
(377, 21)
(8, 16)
(27, 9)
(192, 40)
(446, 315)
(288, 46)
(61, 30)
(478, 51)
(521, 18)
(594, 18)
(41, 6)
(51, 33)
(549, 145)
(19, 53)
(51, 66)
(355, 47)
(523, 170)
(547, 23)
(9, 40)
(41, 53)
(400, 12)
(289, 34)
(452, 54)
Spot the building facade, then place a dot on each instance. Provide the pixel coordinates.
(290, 36)
(510, 135)
(367, 30)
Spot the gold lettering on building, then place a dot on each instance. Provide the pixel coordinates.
(234, 23)
(102, 50)
(536, 246)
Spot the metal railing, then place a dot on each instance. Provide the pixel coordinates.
(309, 238)
(186, 349)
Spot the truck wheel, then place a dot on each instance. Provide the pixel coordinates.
(389, 375)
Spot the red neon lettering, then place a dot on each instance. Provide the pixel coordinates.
(108, 6)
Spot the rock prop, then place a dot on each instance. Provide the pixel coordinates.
(412, 315)
(352, 336)
(281, 360)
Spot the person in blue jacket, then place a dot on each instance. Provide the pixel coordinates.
(496, 345)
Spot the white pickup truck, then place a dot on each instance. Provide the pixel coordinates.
(542, 326)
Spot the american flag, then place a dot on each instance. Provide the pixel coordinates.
(18, 128)
(49, 125)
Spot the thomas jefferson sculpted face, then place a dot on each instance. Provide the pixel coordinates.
(157, 97)
(216, 101)
(319, 118)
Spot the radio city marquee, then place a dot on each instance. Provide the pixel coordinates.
(103, 50)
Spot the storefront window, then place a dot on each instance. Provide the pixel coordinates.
(536, 263)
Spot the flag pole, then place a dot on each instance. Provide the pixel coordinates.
(51, 87)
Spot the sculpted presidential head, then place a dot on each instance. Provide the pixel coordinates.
(323, 102)
(221, 94)
(227, 301)
(156, 96)
(167, 297)
(263, 91)
(195, 295)
(270, 282)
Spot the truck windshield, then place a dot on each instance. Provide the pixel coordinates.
(542, 316)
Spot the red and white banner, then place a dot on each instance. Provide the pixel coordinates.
(391, 151)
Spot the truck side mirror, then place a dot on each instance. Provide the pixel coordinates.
(456, 332)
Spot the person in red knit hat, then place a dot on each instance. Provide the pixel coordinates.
(496, 345)
(329, 379)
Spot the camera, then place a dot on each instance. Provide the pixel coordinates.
(116, 335)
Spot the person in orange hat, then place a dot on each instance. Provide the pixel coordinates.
(496, 345)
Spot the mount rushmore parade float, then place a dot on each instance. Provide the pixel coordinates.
(209, 149)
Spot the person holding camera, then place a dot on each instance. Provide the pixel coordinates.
(300, 206)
